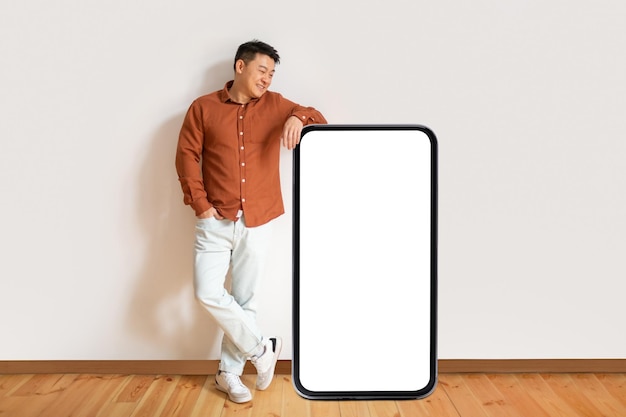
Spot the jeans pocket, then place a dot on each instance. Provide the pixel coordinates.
(206, 223)
(209, 232)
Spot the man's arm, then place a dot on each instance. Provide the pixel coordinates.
(291, 132)
(188, 156)
(299, 117)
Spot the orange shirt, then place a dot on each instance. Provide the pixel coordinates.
(228, 154)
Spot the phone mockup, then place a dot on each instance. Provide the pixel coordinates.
(365, 262)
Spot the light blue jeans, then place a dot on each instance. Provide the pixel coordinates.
(220, 245)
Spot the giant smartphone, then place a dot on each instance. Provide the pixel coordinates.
(365, 262)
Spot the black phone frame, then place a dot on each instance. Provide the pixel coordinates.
(364, 395)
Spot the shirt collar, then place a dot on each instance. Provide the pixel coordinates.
(224, 96)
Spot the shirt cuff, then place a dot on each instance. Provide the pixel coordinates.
(304, 118)
(201, 206)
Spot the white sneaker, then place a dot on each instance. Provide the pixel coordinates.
(231, 384)
(266, 363)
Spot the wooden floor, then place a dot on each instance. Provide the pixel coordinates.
(457, 395)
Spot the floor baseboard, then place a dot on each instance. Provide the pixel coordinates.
(532, 365)
(208, 367)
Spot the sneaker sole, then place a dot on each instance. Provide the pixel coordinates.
(278, 345)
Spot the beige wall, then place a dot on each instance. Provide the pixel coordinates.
(526, 98)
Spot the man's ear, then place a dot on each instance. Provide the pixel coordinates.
(239, 66)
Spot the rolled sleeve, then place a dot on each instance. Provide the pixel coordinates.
(308, 115)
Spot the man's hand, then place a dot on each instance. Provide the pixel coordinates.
(212, 212)
(291, 132)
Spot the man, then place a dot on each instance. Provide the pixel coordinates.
(228, 164)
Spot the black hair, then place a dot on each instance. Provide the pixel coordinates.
(247, 51)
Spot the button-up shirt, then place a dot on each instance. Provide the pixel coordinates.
(228, 154)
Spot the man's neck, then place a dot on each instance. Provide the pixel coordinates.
(237, 96)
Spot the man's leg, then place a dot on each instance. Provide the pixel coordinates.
(248, 261)
(215, 239)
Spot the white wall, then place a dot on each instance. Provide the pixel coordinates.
(527, 99)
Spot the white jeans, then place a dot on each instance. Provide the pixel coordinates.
(220, 245)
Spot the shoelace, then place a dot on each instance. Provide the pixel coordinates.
(233, 380)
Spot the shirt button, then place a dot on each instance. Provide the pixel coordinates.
(241, 148)
(243, 164)
(243, 180)
(243, 200)
(303, 117)
(241, 117)
(240, 133)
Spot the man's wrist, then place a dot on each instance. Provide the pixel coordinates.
(201, 206)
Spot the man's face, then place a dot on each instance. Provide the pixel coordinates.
(256, 75)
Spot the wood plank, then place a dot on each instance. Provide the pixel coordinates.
(320, 408)
(538, 388)
(593, 389)
(155, 398)
(12, 406)
(33, 397)
(461, 396)
(515, 394)
(293, 404)
(75, 394)
(415, 408)
(615, 384)
(383, 409)
(98, 398)
(184, 397)
(37, 383)
(563, 386)
(10, 383)
(457, 395)
(115, 408)
(210, 402)
(354, 409)
(135, 388)
(493, 402)
(438, 403)
(268, 402)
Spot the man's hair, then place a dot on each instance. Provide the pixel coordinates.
(247, 51)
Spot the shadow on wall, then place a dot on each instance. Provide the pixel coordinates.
(164, 311)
